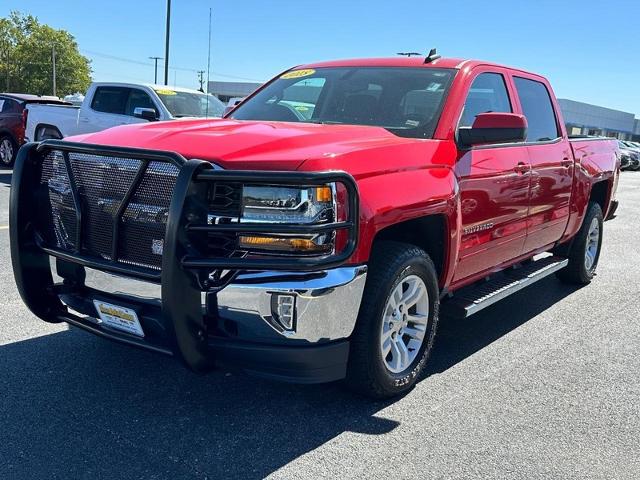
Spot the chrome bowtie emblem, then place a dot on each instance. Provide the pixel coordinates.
(157, 247)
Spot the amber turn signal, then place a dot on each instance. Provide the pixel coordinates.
(289, 244)
(324, 194)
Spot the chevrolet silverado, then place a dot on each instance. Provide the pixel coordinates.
(317, 231)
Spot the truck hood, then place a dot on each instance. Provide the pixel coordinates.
(247, 144)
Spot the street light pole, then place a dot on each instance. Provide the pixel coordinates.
(166, 46)
(155, 77)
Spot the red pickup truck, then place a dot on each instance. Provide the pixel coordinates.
(315, 233)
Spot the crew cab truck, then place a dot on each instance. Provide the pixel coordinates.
(316, 232)
(108, 105)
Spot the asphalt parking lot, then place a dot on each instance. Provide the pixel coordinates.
(545, 384)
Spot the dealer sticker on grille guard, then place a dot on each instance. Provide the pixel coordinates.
(120, 318)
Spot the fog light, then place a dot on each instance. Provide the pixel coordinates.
(283, 309)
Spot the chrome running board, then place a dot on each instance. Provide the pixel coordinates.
(469, 300)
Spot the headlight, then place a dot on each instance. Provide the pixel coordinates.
(290, 205)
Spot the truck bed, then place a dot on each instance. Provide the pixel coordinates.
(63, 117)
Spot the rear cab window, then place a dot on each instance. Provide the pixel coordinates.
(535, 100)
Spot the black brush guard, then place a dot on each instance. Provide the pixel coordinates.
(184, 274)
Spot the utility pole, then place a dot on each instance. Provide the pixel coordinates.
(53, 59)
(155, 77)
(6, 65)
(201, 80)
(209, 59)
(166, 45)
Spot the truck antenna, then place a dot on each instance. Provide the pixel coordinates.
(432, 56)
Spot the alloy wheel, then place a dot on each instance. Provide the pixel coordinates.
(404, 325)
(593, 243)
(6, 151)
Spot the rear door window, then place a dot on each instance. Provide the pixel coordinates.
(488, 93)
(110, 100)
(8, 105)
(536, 106)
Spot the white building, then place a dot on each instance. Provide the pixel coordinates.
(228, 90)
(586, 119)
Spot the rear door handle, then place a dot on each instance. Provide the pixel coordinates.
(566, 162)
(521, 168)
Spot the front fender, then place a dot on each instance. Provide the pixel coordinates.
(392, 198)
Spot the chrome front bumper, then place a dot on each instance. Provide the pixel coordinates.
(324, 305)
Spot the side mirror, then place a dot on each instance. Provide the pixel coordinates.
(494, 127)
(149, 114)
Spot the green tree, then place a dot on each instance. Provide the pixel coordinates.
(26, 58)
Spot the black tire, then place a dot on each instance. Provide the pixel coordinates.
(577, 272)
(7, 142)
(367, 373)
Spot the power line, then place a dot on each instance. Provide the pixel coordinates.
(148, 64)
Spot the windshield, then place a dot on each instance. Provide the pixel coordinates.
(190, 104)
(405, 101)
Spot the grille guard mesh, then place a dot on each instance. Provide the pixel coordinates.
(119, 205)
(111, 208)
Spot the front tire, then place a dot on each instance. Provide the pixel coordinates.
(397, 321)
(584, 252)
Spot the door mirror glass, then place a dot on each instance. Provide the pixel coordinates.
(494, 127)
(149, 114)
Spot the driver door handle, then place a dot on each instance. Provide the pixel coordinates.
(521, 168)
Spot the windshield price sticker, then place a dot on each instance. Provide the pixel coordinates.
(165, 92)
(298, 74)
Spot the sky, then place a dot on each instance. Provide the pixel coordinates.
(587, 49)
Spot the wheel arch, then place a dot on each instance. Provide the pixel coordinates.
(601, 194)
(418, 207)
(428, 233)
(9, 133)
(45, 125)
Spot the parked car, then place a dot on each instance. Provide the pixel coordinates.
(630, 154)
(13, 118)
(233, 101)
(74, 99)
(109, 104)
(625, 160)
(321, 246)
